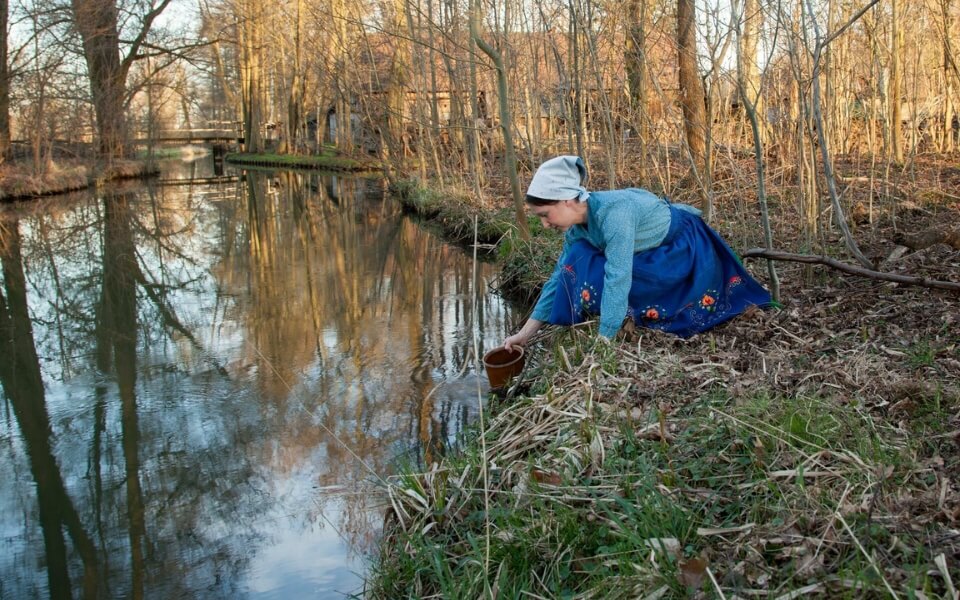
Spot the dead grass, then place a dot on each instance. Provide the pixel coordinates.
(18, 180)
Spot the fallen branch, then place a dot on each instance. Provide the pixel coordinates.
(852, 269)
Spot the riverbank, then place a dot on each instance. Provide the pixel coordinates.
(18, 181)
(808, 451)
(327, 161)
(524, 264)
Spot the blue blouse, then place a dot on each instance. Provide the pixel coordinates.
(620, 223)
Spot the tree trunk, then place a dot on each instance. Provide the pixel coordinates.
(636, 64)
(4, 84)
(896, 81)
(949, 76)
(691, 86)
(506, 120)
(397, 89)
(295, 115)
(749, 100)
(250, 74)
(344, 110)
(750, 70)
(576, 97)
(96, 21)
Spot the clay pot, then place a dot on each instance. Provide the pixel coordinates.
(502, 365)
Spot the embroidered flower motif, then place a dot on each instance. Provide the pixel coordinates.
(652, 314)
(568, 268)
(589, 298)
(708, 302)
(735, 280)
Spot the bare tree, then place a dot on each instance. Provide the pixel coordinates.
(4, 82)
(637, 22)
(749, 92)
(895, 93)
(97, 23)
(506, 118)
(691, 86)
(820, 43)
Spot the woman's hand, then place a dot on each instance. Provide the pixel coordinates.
(521, 337)
(516, 339)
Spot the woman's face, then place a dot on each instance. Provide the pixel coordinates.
(561, 215)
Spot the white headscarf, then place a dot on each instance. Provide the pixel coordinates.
(560, 178)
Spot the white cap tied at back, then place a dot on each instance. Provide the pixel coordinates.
(560, 178)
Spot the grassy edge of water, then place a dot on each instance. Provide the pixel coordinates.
(524, 264)
(600, 488)
(328, 160)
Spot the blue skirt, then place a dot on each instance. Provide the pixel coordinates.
(686, 285)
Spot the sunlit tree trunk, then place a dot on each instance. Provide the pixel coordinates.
(295, 116)
(691, 86)
(825, 157)
(603, 111)
(636, 64)
(394, 147)
(577, 96)
(949, 75)
(895, 94)
(748, 66)
(474, 119)
(343, 108)
(251, 42)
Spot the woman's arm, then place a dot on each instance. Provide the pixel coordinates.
(541, 310)
(618, 229)
(521, 337)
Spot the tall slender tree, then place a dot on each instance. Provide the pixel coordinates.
(4, 82)
(895, 93)
(691, 86)
(637, 14)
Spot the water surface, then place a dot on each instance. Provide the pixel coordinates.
(203, 384)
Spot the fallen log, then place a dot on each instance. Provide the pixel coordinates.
(934, 235)
(852, 269)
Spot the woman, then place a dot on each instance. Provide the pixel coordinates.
(629, 254)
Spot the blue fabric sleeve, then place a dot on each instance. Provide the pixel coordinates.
(618, 233)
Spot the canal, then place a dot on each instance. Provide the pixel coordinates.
(204, 384)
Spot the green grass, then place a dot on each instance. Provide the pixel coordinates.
(452, 212)
(327, 160)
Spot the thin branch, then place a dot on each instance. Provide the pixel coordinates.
(850, 22)
(142, 36)
(852, 269)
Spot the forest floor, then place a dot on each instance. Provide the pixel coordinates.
(812, 450)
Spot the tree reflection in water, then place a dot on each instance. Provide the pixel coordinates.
(195, 376)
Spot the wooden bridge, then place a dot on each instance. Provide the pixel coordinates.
(193, 136)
